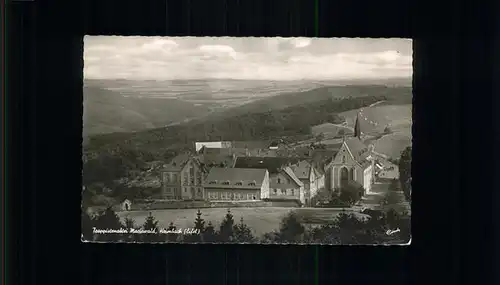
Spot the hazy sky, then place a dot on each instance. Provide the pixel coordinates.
(169, 58)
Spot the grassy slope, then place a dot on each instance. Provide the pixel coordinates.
(399, 117)
(107, 111)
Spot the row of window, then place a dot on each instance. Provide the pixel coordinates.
(239, 183)
(284, 192)
(231, 196)
(199, 191)
(173, 190)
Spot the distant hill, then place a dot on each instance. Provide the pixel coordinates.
(106, 111)
(291, 121)
(396, 95)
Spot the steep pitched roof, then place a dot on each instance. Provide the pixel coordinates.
(177, 163)
(357, 148)
(364, 161)
(302, 169)
(211, 160)
(272, 164)
(248, 178)
(292, 175)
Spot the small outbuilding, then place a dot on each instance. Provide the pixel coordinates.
(126, 205)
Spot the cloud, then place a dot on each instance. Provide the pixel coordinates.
(245, 58)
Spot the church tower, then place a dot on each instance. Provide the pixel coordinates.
(357, 128)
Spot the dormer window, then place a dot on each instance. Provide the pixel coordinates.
(279, 180)
(225, 182)
(212, 182)
(253, 183)
(239, 183)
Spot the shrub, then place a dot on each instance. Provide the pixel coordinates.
(242, 233)
(405, 171)
(172, 237)
(320, 137)
(209, 234)
(351, 193)
(291, 229)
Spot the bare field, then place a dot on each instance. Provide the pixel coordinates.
(261, 220)
(376, 118)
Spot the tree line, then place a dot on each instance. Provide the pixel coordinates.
(404, 164)
(346, 228)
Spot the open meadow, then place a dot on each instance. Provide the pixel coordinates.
(260, 220)
(376, 118)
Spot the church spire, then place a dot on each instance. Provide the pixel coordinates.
(357, 128)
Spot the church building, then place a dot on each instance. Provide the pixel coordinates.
(351, 164)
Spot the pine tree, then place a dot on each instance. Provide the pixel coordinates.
(172, 236)
(226, 228)
(242, 233)
(150, 224)
(108, 220)
(209, 234)
(199, 224)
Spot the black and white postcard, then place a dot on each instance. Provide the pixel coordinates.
(247, 140)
